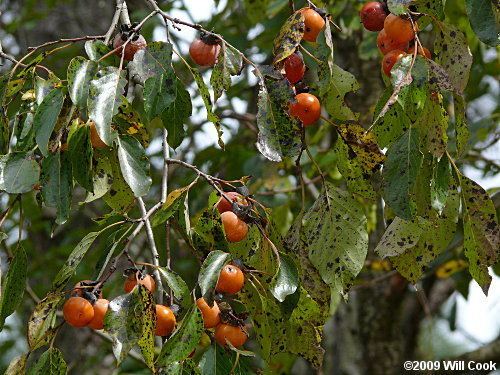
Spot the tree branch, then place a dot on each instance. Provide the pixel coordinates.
(489, 352)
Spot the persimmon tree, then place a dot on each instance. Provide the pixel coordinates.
(318, 203)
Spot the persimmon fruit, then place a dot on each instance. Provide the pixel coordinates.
(294, 68)
(233, 334)
(78, 312)
(223, 205)
(210, 314)
(398, 29)
(390, 59)
(95, 139)
(387, 44)
(306, 107)
(236, 229)
(313, 24)
(100, 308)
(231, 280)
(135, 44)
(133, 279)
(204, 52)
(165, 321)
(373, 15)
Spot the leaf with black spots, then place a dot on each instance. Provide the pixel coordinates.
(152, 61)
(279, 134)
(208, 233)
(400, 172)
(481, 231)
(13, 284)
(363, 144)
(184, 340)
(130, 320)
(441, 174)
(42, 320)
(461, 126)
(289, 37)
(335, 234)
(401, 235)
(19, 172)
(102, 175)
(46, 118)
(57, 184)
(435, 239)
(453, 54)
(177, 285)
(229, 63)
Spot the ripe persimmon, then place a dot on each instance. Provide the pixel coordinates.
(387, 44)
(135, 44)
(294, 68)
(373, 15)
(210, 314)
(313, 24)
(204, 51)
(100, 309)
(165, 321)
(390, 59)
(306, 107)
(78, 312)
(231, 280)
(235, 335)
(236, 229)
(134, 278)
(398, 29)
(223, 205)
(95, 139)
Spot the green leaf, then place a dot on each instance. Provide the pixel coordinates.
(286, 280)
(289, 37)
(481, 231)
(102, 176)
(453, 54)
(154, 60)
(159, 93)
(205, 96)
(334, 84)
(461, 126)
(335, 234)
(50, 362)
(134, 165)
(217, 361)
(42, 87)
(210, 269)
(80, 154)
(400, 172)
(57, 184)
(104, 99)
(173, 203)
(46, 117)
(229, 63)
(433, 241)
(119, 197)
(74, 260)
(19, 172)
(279, 134)
(96, 49)
(176, 115)
(14, 284)
(433, 124)
(184, 340)
(398, 7)
(80, 73)
(439, 184)
(393, 124)
(130, 320)
(482, 18)
(208, 234)
(42, 320)
(177, 285)
(401, 235)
